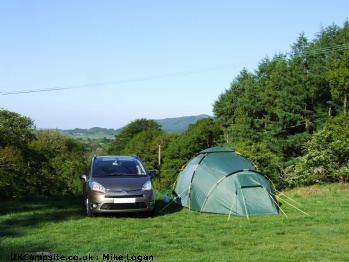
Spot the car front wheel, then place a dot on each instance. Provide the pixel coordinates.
(89, 212)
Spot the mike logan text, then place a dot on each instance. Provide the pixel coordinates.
(89, 257)
(138, 258)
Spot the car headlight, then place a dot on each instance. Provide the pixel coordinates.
(147, 186)
(97, 187)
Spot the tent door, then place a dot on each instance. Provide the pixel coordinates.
(256, 200)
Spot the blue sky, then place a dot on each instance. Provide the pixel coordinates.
(118, 61)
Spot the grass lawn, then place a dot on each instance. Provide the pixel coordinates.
(58, 227)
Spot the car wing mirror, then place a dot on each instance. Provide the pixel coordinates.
(83, 177)
(151, 174)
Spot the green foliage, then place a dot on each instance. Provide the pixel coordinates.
(124, 137)
(12, 171)
(146, 146)
(95, 131)
(15, 134)
(40, 162)
(15, 129)
(203, 134)
(338, 77)
(62, 160)
(269, 115)
(229, 108)
(326, 156)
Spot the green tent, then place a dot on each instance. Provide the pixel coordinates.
(220, 181)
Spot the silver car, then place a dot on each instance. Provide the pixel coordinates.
(118, 184)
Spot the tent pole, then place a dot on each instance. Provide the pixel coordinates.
(192, 177)
(209, 192)
(232, 205)
(271, 196)
(243, 197)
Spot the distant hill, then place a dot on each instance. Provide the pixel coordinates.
(176, 125)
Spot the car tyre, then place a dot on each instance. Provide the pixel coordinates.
(89, 212)
(151, 213)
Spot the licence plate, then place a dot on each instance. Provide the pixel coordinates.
(124, 200)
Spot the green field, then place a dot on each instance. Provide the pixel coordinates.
(58, 227)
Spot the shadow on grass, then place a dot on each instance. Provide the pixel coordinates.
(27, 212)
(30, 212)
(23, 216)
(32, 203)
(161, 209)
(19, 216)
(19, 251)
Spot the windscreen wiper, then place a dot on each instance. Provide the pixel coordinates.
(115, 174)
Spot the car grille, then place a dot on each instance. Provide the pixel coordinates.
(118, 206)
(121, 196)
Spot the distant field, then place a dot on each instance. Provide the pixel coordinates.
(58, 227)
(91, 136)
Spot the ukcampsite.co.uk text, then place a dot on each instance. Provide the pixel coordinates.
(89, 257)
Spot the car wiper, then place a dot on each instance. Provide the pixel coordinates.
(115, 174)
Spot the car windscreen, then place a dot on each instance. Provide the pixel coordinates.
(118, 167)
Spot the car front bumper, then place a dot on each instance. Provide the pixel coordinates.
(122, 203)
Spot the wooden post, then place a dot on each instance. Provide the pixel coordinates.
(159, 161)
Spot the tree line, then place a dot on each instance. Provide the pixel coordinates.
(289, 117)
(37, 162)
(292, 110)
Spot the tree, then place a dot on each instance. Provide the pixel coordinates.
(123, 138)
(328, 45)
(269, 115)
(338, 77)
(15, 129)
(227, 108)
(58, 161)
(326, 156)
(16, 132)
(146, 146)
(205, 133)
(40, 162)
(12, 171)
